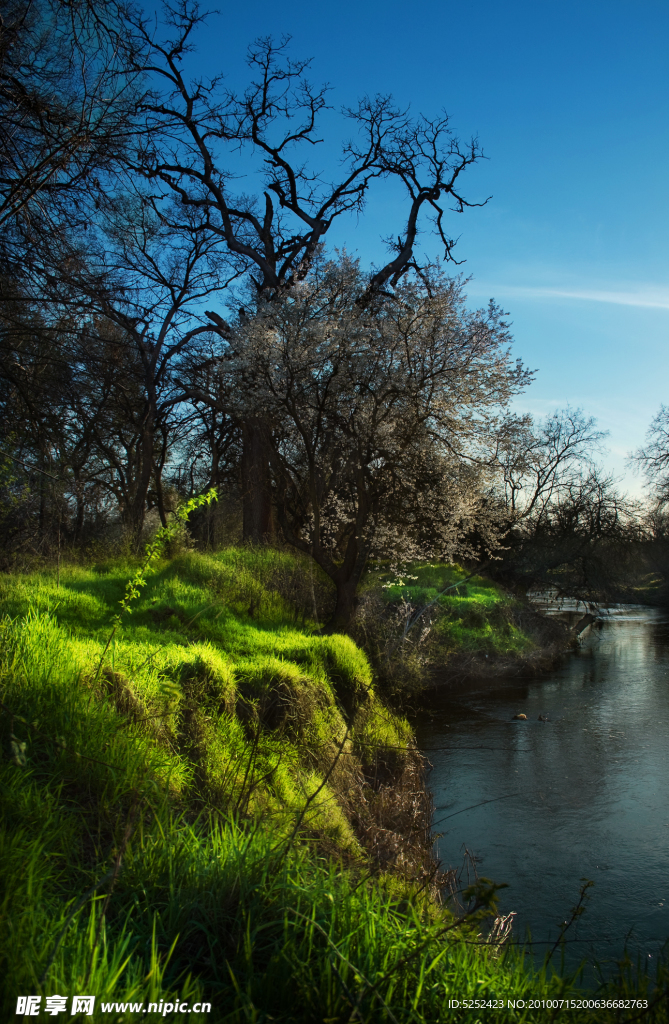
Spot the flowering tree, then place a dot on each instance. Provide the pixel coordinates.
(378, 416)
(199, 137)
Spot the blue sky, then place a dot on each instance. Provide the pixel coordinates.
(570, 101)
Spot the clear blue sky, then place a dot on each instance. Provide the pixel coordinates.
(570, 101)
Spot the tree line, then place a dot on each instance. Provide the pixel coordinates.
(172, 320)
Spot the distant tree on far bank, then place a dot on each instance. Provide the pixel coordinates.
(569, 526)
(653, 459)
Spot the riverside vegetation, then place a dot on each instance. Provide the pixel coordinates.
(203, 794)
(225, 807)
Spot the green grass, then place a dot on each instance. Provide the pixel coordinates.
(472, 616)
(189, 824)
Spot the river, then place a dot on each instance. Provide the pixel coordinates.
(542, 805)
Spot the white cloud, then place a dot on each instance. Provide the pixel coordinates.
(654, 298)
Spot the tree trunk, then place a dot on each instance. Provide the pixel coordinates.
(81, 507)
(158, 479)
(41, 522)
(345, 606)
(258, 524)
(160, 499)
(138, 509)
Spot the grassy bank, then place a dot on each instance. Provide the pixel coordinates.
(225, 811)
(468, 613)
(442, 626)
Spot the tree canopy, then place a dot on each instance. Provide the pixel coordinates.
(165, 329)
(378, 419)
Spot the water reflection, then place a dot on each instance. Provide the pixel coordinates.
(583, 793)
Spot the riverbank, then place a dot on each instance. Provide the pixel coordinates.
(550, 641)
(226, 809)
(466, 632)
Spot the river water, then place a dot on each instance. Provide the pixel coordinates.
(542, 805)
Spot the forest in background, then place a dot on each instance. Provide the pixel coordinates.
(225, 445)
(172, 321)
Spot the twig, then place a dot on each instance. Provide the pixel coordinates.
(152, 551)
(30, 469)
(310, 799)
(419, 949)
(252, 758)
(575, 913)
(474, 806)
(146, 718)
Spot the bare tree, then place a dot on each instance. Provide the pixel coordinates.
(541, 461)
(584, 542)
(68, 91)
(121, 208)
(192, 126)
(148, 278)
(69, 85)
(653, 458)
(198, 136)
(569, 526)
(97, 377)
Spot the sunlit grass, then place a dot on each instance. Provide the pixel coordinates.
(148, 817)
(468, 614)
